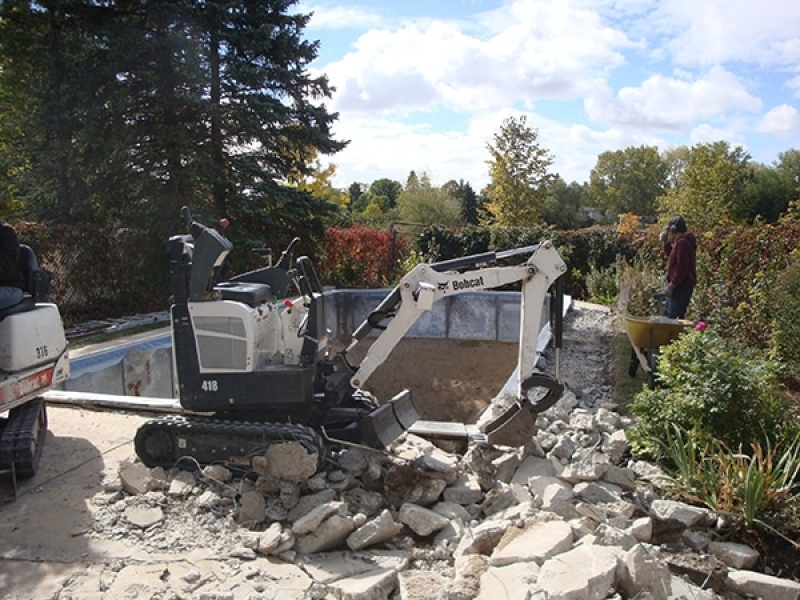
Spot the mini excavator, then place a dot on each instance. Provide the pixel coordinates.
(33, 359)
(254, 364)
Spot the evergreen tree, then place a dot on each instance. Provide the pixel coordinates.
(467, 200)
(123, 112)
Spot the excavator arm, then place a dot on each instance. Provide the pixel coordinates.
(426, 283)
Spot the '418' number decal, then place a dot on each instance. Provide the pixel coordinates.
(210, 385)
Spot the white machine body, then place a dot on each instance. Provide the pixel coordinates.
(234, 337)
(33, 354)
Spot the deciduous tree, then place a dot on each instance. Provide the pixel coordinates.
(562, 208)
(711, 189)
(519, 173)
(420, 202)
(629, 180)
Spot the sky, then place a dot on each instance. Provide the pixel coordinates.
(425, 85)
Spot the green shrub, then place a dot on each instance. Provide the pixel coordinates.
(638, 283)
(714, 387)
(602, 285)
(752, 489)
(737, 270)
(785, 339)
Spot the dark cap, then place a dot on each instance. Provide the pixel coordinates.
(677, 224)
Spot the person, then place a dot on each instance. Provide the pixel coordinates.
(12, 282)
(681, 248)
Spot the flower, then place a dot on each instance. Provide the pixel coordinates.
(700, 326)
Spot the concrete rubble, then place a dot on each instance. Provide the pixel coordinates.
(563, 516)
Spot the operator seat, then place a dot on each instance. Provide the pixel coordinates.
(37, 283)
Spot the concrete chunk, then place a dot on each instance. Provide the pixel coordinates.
(469, 570)
(511, 582)
(616, 445)
(374, 585)
(330, 534)
(182, 484)
(318, 514)
(685, 513)
(308, 503)
(762, 586)
(533, 466)
(406, 483)
(537, 542)
(583, 471)
(376, 531)
(143, 516)
(328, 567)
(464, 491)
(217, 473)
(641, 529)
(738, 556)
(598, 492)
(268, 541)
(291, 461)
(481, 539)
(451, 510)
(622, 477)
(644, 574)
(505, 466)
(134, 477)
(585, 573)
(421, 520)
(251, 508)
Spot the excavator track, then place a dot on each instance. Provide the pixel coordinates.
(166, 441)
(22, 438)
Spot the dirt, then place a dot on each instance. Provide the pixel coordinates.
(455, 381)
(448, 382)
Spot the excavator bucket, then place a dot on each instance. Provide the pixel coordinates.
(387, 423)
(539, 392)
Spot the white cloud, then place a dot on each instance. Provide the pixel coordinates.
(794, 85)
(394, 149)
(533, 50)
(672, 103)
(341, 17)
(783, 120)
(715, 31)
(706, 134)
(646, 72)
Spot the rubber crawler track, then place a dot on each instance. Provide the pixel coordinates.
(22, 439)
(163, 442)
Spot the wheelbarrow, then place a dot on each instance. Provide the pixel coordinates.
(648, 334)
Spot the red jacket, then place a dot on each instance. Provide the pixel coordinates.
(682, 265)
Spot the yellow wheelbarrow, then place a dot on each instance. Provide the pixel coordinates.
(648, 334)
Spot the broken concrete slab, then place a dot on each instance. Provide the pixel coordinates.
(535, 542)
(327, 567)
(583, 573)
(376, 531)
